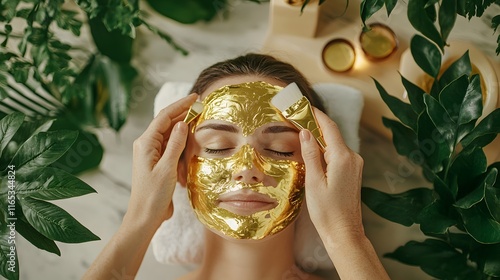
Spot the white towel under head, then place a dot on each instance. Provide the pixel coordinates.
(180, 240)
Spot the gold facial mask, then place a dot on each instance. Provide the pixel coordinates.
(247, 106)
(209, 178)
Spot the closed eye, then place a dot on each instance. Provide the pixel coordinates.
(281, 154)
(216, 151)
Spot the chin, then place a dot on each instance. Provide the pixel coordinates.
(279, 234)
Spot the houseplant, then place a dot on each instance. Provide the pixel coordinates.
(29, 181)
(439, 130)
(65, 91)
(81, 86)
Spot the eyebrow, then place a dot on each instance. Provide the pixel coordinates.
(233, 129)
(279, 129)
(218, 126)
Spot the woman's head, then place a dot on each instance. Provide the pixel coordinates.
(243, 162)
(261, 66)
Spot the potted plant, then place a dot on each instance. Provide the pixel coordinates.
(53, 95)
(439, 130)
(460, 213)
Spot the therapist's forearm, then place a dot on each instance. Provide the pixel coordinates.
(124, 253)
(354, 257)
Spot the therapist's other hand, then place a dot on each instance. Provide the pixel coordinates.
(155, 157)
(333, 182)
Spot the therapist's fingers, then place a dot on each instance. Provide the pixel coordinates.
(313, 159)
(175, 145)
(162, 123)
(331, 131)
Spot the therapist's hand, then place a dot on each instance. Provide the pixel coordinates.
(154, 171)
(333, 182)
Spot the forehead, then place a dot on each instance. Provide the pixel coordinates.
(246, 105)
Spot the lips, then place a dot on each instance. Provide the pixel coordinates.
(246, 202)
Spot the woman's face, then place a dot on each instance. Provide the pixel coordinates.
(244, 169)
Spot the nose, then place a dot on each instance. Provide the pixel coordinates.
(246, 170)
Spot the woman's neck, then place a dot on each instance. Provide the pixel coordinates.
(271, 258)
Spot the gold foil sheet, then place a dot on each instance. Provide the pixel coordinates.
(208, 178)
(248, 106)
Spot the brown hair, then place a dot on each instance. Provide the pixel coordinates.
(258, 65)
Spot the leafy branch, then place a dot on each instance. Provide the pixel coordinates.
(29, 181)
(426, 15)
(440, 131)
(44, 77)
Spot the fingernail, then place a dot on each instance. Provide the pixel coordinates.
(305, 135)
(180, 127)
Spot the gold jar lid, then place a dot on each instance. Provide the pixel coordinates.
(379, 42)
(339, 55)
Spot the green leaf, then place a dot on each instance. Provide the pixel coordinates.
(23, 13)
(390, 5)
(79, 98)
(430, 142)
(480, 225)
(42, 149)
(435, 219)
(33, 236)
(492, 199)
(415, 94)
(491, 258)
(457, 69)
(425, 54)
(85, 153)
(188, 11)
(466, 166)
(472, 105)
(20, 71)
(67, 20)
(477, 7)
(447, 17)
(430, 11)
(478, 194)
(461, 241)
(50, 183)
(419, 19)
(470, 110)
(31, 127)
(54, 223)
(9, 9)
(437, 258)
(115, 80)
(401, 110)
(452, 96)
(490, 125)
(400, 208)
(106, 41)
(495, 22)
(6, 56)
(441, 120)
(404, 138)
(368, 8)
(8, 127)
(446, 193)
(38, 36)
(8, 257)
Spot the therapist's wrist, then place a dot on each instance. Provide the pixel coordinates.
(141, 220)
